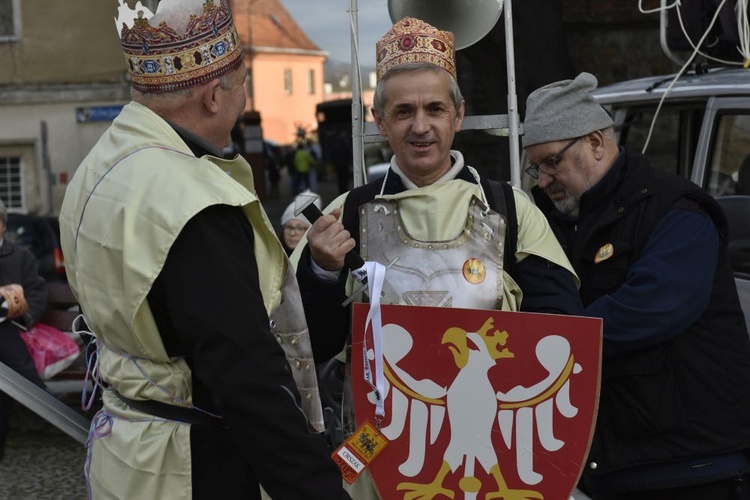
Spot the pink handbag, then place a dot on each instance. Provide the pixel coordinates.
(51, 349)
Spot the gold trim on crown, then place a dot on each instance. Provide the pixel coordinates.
(161, 60)
(413, 40)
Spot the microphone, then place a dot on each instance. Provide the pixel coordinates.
(305, 205)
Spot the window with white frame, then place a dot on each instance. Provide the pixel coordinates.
(11, 185)
(10, 20)
(288, 81)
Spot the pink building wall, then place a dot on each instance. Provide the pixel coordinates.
(281, 111)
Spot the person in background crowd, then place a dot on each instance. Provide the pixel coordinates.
(303, 162)
(23, 300)
(317, 173)
(294, 227)
(650, 249)
(418, 107)
(341, 158)
(272, 166)
(201, 347)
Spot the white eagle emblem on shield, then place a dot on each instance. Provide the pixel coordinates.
(481, 404)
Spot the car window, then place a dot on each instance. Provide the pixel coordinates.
(729, 168)
(671, 146)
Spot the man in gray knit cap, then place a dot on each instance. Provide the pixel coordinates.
(650, 250)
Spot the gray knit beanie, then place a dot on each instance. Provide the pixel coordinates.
(563, 110)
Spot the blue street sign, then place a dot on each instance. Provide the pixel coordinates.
(97, 113)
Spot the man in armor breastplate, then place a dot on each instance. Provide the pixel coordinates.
(447, 237)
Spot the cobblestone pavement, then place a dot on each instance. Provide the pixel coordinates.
(41, 462)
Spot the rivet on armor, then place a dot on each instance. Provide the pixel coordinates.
(297, 364)
(644, 190)
(294, 340)
(593, 465)
(279, 339)
(308, 396)
(429, 246)
(272, 324)
(621, 209)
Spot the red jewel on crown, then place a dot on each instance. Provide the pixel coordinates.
(438, 45)
(407, 42)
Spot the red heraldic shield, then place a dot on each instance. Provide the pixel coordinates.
(479, 404)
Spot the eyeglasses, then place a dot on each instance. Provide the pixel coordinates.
(549, 165)
(295, 229)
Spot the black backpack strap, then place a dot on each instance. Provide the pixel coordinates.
(355, 199)
(503, 202)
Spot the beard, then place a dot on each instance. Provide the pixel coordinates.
(568, 205)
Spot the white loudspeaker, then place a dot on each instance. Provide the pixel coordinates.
(468, 20)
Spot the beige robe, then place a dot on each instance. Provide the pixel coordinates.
(122, 211)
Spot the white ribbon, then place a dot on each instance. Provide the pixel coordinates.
(375, 280)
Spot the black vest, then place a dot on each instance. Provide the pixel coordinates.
(689, 397)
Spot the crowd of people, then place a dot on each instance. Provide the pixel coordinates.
(209, 323)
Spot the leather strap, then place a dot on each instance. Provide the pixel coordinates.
(172, 412)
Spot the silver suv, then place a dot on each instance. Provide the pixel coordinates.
(701, 132)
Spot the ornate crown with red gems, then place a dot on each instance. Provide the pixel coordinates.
(412, 40)
(160, 59)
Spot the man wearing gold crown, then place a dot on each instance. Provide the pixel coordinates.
(495, 251)
(202, 347)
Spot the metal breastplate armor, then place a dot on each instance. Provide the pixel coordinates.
(290, 329)
(463, 272)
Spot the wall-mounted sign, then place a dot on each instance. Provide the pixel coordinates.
(97, 113)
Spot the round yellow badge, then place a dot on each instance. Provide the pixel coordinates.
(474, 271)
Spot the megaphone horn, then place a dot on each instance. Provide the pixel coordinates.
(468, 20)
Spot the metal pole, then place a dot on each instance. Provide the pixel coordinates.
(513, 120)
(358, 167)
(43, 404)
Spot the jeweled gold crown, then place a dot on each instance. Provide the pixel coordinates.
(160, 59)
(413, 40)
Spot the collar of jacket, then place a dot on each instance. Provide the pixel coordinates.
(629, 181)
(199, 146)
(394, 184)
(6, 249)
(606, 188)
